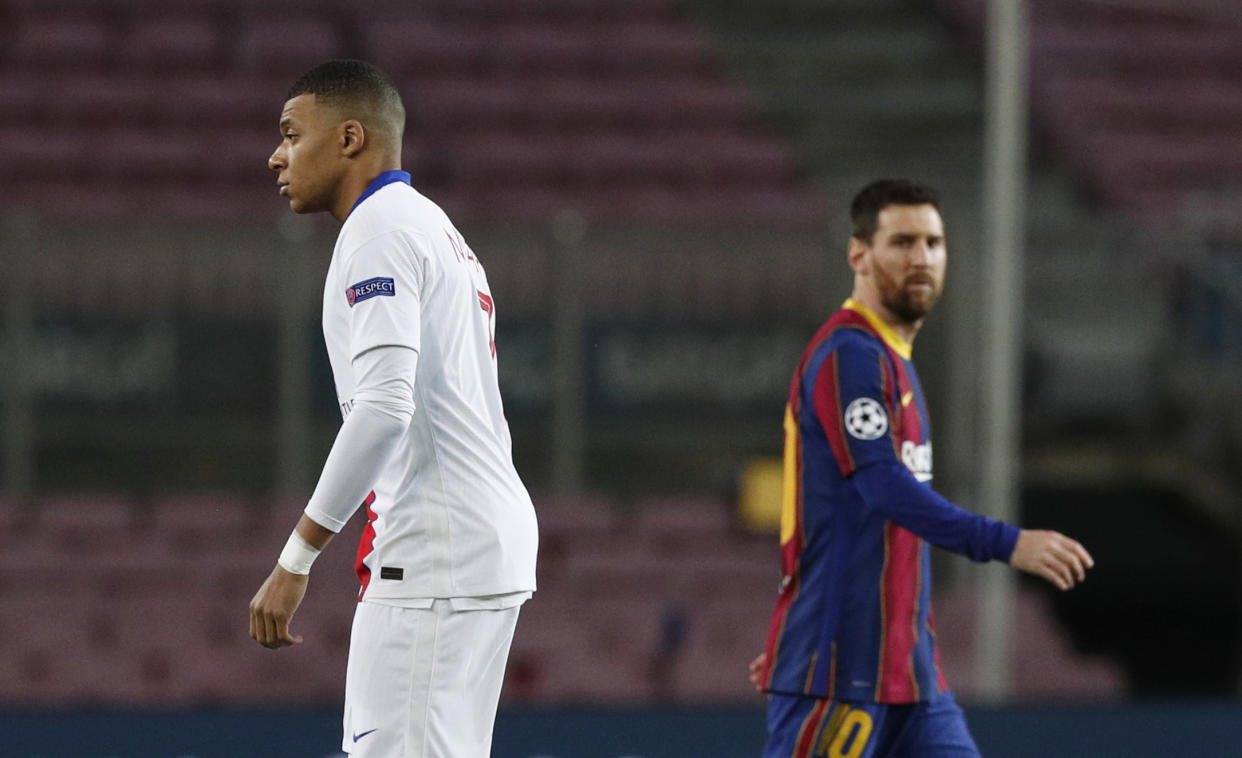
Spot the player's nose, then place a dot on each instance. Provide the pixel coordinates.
(276, 161)
(920, 253)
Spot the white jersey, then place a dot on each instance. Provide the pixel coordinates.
(450, 518)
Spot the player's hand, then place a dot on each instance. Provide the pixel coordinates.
(273, 606)
(1053, 556)
(756, 670)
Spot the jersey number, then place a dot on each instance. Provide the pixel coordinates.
(847, 726)
(489, 307)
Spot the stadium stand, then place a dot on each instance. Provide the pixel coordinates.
(1141, 101)
(615, 109)
(144, 604)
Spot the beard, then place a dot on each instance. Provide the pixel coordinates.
(906, 304)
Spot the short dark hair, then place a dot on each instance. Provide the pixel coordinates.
(875, 197)
(353, 82)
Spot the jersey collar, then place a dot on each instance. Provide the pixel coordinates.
(899, 346)
(388, 177)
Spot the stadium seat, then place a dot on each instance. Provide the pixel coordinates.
(417, 46)
(285, 46)
(191, 42)
(570, 653)
(28, 156)
(1165, 75)
(1044, 663)
(204, 523)
(86, 523)
(63, 41)
(15, 520)
(724, 637)
(683, 519)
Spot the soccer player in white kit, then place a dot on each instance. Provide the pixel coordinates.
(448, 553)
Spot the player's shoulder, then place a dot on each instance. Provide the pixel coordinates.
(395, 212)
(853, 347)
(847, 333)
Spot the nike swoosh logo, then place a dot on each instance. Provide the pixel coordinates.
(906, 398)
(360, 736)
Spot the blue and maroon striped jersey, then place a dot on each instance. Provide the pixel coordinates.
(854, 618)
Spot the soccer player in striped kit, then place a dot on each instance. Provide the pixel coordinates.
(851, 663)
(448, 553)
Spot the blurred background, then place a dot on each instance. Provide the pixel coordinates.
(659, 191)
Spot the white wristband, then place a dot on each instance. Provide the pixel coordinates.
(298, 555)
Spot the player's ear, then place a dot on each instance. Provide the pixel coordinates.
(353, 137)
(857, 255)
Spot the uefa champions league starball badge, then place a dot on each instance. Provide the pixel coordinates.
(865, 419)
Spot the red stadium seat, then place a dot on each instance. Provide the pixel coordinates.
(161, 44)
(286, 45)
(63, 41)
(414, 45)
(86, 523)
(204, 523)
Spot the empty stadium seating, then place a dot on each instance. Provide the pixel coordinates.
(1142, 101)
(614, 108)
(665, 599)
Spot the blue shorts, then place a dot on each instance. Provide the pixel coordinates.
(807, 727)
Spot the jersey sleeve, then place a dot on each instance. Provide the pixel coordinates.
(383, 282)
(850, 396)
(894, 492)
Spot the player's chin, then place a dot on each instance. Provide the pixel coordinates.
(920, 301)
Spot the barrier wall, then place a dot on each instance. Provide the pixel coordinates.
(1201, 729)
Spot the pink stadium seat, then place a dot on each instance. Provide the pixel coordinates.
(62, 41)
(29, 154)
(131, 155)
(286, 46)
(232, 577)
(28, 94)
(421, 46)
(695, 514)
(1044, 663)
(588, 49)
(88, 523)
(575, 653)
(16, 518)
(614, 109)
(240, 155)
(1147, 52)
(569, 103)
(236, 101)
(30, 568)
(173, 43)
(723, 638)
(57, 650)
(1134, 97)
(204, 523)
(495, 11)
(102, 101)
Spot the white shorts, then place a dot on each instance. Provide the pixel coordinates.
(424, 682)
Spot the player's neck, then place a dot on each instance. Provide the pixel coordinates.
(906, 330)
(355, 182)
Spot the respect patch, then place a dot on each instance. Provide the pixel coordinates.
(379, 286)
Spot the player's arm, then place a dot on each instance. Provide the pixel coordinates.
(384, 340)
(858, 370)
(382, 410)
(281, 593)
(893, 491)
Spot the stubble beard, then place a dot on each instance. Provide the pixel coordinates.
(904, 304)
